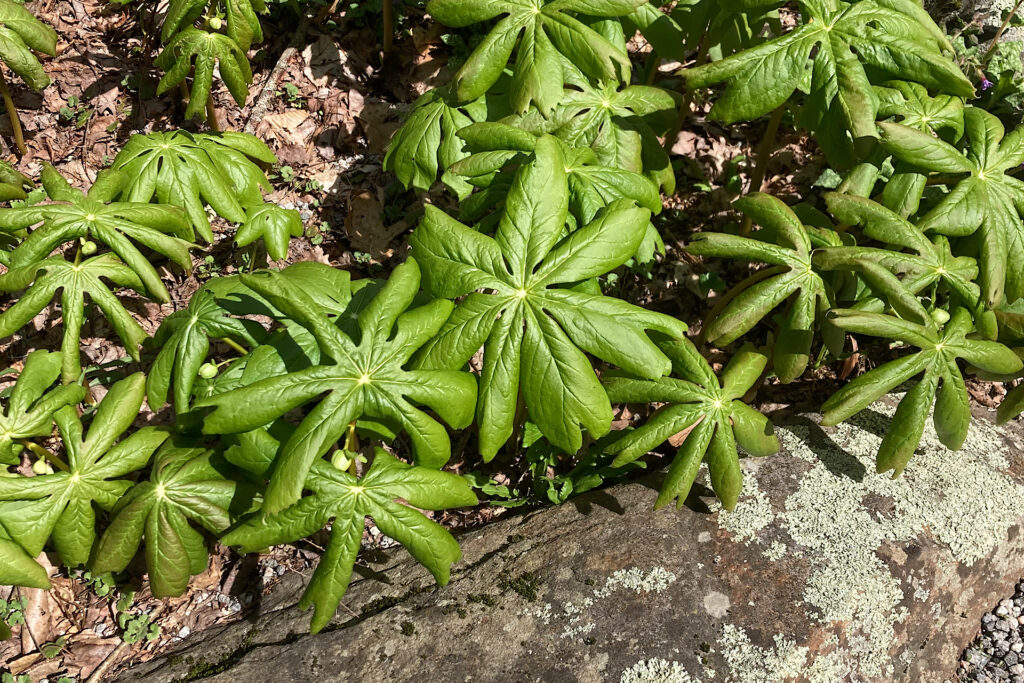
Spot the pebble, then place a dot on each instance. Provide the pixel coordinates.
(996, 655)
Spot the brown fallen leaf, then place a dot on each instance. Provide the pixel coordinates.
(364, 224)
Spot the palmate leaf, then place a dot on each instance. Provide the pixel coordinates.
(243, 26)
(941, 380)
(499, 148)
(75, 281)
(192, 170)
(12, 183)
(729, 25)
(184, 341)
(826, 56)
(785, 245)
(428, 138)
(711, 409)
(184, 486)
(28, 412)
(344, 501)
(93, 216)
(932, 263)
(206, 49)
(534, 326)
(984, 203)
(942, 115)
(17, 568)
(550, 35)
(20, 34)
(621, 125)
(364, 378)
(61, 504)
(273, 224)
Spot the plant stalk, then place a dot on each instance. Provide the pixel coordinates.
(12, 114)
(211, 115)
(684, 106)
(764, 154)
(235, 345)
(45, 454)
(388, 19)
(999, 34)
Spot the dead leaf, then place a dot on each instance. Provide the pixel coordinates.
(365, 224)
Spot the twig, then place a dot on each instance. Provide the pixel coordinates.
(999, 34)
(12, 114)
(263, 101)
(115, 655)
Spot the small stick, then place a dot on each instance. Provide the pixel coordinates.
(999, 34)
(12, 114)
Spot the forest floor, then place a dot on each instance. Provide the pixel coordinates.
(326, 103)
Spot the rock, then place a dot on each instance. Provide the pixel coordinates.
(825, 572)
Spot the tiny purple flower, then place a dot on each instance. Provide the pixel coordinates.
(986, 84)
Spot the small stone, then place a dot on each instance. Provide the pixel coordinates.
(183, 633)
(1017, 647)
(1017, 669)
(1010, 659)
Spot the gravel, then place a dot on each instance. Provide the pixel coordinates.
(996, 655)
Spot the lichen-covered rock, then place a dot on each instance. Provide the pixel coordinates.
(826, 572)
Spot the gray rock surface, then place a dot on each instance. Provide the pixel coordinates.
(826, 572)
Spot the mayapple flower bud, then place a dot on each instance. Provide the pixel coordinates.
(940, 316)
(207, 370)
(215, 23)
(41, 467)
(88, 248)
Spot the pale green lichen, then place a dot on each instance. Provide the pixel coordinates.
(634, 579)
(749, 663)
(657, 671)
(842, 514)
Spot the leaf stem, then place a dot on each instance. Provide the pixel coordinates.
(388, 20)
(999, 34)
(684, 106)
(764, 153)
(235, 345)
(944, 179)
(45, 454)
(12, 114)
(211, 115)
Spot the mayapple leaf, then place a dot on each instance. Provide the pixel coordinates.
(983, 203)
(273, 224)
(74, 281)
(547, 33)
(17, 568)
(832, 47)
(428, 139)
(535, 328)
(93, 216)
(28, 412)
(711, 409)
(193, 170)
(785, 244)
(184, 341)
(344, 501)
(206, 49)
(184, 488)
(61, 505)
(21, 34)
(354, 379)
(12, 183)
(941, 380)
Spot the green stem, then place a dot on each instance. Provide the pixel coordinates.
(211, 115)
(352, 446)
(235, 345)
(764, 153)
(999, 34)
(45, 454)
(12, 114)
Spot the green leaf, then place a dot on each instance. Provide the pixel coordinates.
(43, 280)
(28, 412)
(936, 358)
(21, 34)
(119, 225)
(536, 329)
(17, 568)
(355, 379)
(61, 504)
(831, 50)
(271, 223)
(549, 38)
(344, 501)
(184, 487)
(785, 243)
(711, 410)
(985, 203)
(206, 50)
(193, 170)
